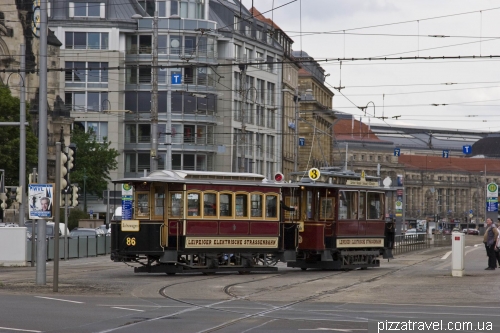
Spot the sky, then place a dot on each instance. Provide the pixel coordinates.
(413, 91)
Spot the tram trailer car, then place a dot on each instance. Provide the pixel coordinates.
(192, 221)
(341, 220)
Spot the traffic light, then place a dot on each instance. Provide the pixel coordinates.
(64, 173)
(19, 194)
(71, 156)
(74, 196)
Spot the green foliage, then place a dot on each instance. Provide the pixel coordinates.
(75, 215)
(94, 160)
(10, 139)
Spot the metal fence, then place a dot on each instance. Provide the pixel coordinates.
(408, 243)
(78, 247)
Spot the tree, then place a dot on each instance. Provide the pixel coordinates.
(94, 160)
(10, 139)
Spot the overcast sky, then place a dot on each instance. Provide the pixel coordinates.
(470, 88)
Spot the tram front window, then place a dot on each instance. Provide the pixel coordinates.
(193, 204)
(226, 208)
(348, 205)
(375, 206)
(271, 204)
(210, 204)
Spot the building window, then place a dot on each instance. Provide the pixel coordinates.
(87, 9)
(270, 93)
(83, 101)
(236, 23)
(99, 129)
(86, 71)
(87, 40)
(271, 116)
(354, 157)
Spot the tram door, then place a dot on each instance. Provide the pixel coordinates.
(159, 202)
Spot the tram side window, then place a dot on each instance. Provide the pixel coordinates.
(175, 204)
(326, 209)
(193, 204)
(361, 207)
(375, 206)
(210, 204)
(348, 205)
(271, 206)
(142, 208)
(226, 204)
(309, 204)
(241, 206)
(159, 200)
(256, 205)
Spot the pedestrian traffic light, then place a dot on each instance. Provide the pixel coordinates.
(19, 194)
(74, 196)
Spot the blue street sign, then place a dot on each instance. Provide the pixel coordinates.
(446, 153)
(91, 211)
(471, 211)
(467, 150)
(397, 152)
(302, 141)
(176, 78)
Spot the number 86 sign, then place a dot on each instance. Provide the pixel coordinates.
(314, 174)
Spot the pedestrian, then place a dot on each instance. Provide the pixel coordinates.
(490, 240)
(497, 245)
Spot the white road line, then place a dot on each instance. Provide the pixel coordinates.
(18, 329)
(58, 299)
(446, 255)
(412, 312)
(117, 307)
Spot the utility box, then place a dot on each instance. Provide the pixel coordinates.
(457, 254)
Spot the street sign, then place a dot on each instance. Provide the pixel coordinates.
(446, 153)
(467, 149)
(397, 152)
(302, 142)
(471, 211)
(91, 211)
(176, 78)
(314, 174)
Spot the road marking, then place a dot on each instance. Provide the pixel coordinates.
(58, 299)
(117, 307)
(446, 255)
(476, 245)
(411, 312)
(332, 329)
(18, 329)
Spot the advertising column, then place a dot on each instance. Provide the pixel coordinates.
(492, 202)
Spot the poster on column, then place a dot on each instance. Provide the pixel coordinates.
(40, 197)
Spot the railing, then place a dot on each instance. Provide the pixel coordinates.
(408, 243)
(78, 247)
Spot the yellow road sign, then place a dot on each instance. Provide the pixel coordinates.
(314, 174)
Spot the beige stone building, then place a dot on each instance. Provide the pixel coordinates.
(16, 28)
(315, 126)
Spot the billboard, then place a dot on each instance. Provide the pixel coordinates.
(40, 199)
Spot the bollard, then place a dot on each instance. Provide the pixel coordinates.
(457, 254)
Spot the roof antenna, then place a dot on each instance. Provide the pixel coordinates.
(339, 88)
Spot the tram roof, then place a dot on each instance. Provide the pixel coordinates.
(205, 177)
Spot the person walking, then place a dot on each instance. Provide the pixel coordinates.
(490, 240)
(497, 244)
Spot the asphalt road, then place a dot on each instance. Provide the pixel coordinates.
(97, 295)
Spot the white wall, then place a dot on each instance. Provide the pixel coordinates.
(13, 246)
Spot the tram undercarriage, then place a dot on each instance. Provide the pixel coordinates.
(207, 263)
(337, 259)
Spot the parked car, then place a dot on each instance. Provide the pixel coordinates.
(86, 232)
(413, 233)
(470, 231)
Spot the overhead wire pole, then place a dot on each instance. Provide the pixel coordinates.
(296, 147)
(41, 255)
(243, 69)
(154, 98)
(22, 134)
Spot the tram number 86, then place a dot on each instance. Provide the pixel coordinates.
(130, 241)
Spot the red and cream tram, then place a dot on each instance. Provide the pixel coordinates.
(192, 221)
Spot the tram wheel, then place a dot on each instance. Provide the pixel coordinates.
(364, 268)
(170, 273)
(208, 273)
(243, 272)
(304, 268)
